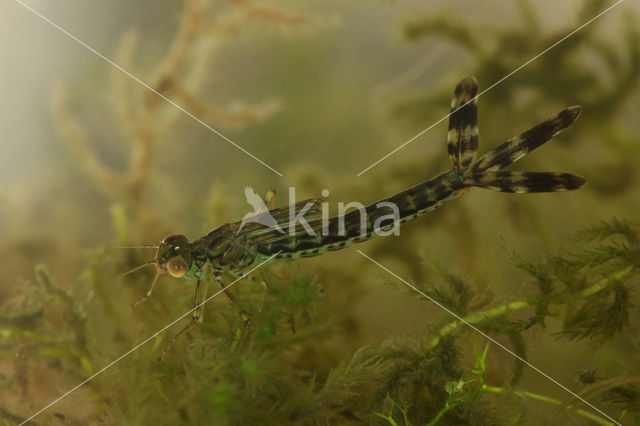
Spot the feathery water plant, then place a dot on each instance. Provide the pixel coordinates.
(278, 374)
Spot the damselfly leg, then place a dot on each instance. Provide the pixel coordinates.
(245, 316)
(148, 294)
(196, 317)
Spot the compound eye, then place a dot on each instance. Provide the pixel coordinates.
(177, 267)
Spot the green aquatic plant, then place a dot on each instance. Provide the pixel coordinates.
(308, 357)
(280, 373)
(510, 46)
(142, 114)
(591, 290)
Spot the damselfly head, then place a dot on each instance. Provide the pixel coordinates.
(173, 256)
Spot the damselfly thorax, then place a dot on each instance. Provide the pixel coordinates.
(234, 247)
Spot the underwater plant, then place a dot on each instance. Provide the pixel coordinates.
(327, 344)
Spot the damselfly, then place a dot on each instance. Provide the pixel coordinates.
(234, 247)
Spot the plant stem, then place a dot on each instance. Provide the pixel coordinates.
(441, 413)
(548, 400)
(451, 327)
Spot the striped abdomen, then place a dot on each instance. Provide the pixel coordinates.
(468, 170)
(339, 232)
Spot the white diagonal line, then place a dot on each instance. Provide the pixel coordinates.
(494, 85)
(459, 318)
(127, 73)
(55, 401)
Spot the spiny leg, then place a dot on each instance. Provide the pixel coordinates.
(462, 137)
(148, 295)
(243, 313)
(195, 317)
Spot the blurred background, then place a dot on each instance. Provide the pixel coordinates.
(92, 160)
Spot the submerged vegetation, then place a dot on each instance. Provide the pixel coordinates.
(326, 345)
(430, 377)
